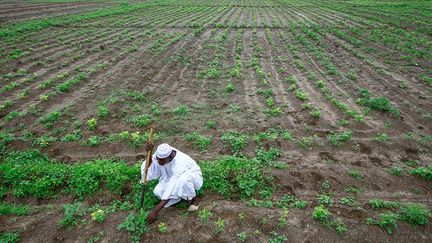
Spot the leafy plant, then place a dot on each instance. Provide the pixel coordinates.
(211, 124)
(141, 120)
(103, 111)
(181, 110)
(162, 227)
(321, 213)
(380, 103)
(93, 141)
(325, 200)
(135, 224)
(220, 226)
(283, 218)
(16, 209)
(98, 215)
(50, 118)
(276, 238)
(199, 140)
(424, 172)
(415, 213)
(71, 216)
(204, 215)
(396, 171)
(387, 221)
(379, 203)
(242, 236)
(337, 138)
(233, 175)
(235, 139)
(381, 137)
(355, 174)
(348, 201)
(91, 123)
(10, 237)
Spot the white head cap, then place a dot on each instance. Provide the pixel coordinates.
(163, 150)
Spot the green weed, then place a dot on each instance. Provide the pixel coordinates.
(201, 141)
(387, 221)
(162, 227)
(423, 172)
(10, 237)
(71, 216)
(136, 225)
(236, 140)
(379, 203)
(16, 209)
(338, 138)
(91, 123)
(181, 110)
(204, 215)
(380, 103)
(415, 213)
(220, 226)
(242, 236)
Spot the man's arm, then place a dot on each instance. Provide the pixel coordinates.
(152, 216)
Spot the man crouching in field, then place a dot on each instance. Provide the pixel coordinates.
(179, 178)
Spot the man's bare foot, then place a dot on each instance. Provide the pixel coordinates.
(194, 204)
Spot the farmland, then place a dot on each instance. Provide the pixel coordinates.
(311, 120)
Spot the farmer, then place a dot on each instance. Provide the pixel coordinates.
(179, 178)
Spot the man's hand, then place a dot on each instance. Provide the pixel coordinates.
(152, 217)
(149, 146)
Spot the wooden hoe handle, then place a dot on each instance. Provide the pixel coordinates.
(149, 156)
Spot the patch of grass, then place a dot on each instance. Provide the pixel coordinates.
(325, 200)
(211, 124)
(276, 238)
(10, 237)
(387, 221)
(50, 118)
(380, 103)
(236, 140)
(72, 137)
(415, 214)
(423, 172)
(103, 110)
(93, 141)
(15, 209)
(379, 203)
(136, 95)
(232, 176)
(72, 213)
(338, 138)
(355, 174)
(141, 120)
(348, 201)
(242, 236)
(396, 171)
(289, 201)
(321, 213)
(273, 112)
(381, 137)
(199, 140)
(229, 88)
(29, 173)
(44, 141)
(181, 110)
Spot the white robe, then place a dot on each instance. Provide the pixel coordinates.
(179, 179)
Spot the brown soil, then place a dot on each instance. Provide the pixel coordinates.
(169, 73)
